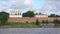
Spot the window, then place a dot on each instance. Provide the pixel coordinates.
(20, 13)
(15, 14)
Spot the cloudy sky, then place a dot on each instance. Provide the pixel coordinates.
(43, 6)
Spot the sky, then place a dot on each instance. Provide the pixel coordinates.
(40, 6)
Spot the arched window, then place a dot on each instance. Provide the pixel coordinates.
(20, 13)
(15, 14)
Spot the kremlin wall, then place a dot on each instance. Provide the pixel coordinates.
(31, 19)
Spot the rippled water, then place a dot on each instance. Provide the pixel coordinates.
(29, 30)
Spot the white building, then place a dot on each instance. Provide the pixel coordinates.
(41, 15)
(15, 13)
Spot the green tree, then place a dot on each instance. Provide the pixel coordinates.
(43, 22)
(28, 14)
(56, 21)
(46, 21)
(3, 18)
(37, 22)
(52, 15)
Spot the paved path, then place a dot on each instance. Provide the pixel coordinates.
(29, 30)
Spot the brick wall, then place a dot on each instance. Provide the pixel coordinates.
(32, 19)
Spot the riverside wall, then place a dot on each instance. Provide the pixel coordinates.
(31, 19)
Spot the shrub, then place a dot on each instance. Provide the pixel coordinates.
(43, 22)
(46, 22)
(26, 21)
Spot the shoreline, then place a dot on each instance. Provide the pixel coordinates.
(18, 27)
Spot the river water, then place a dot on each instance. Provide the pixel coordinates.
(29, 30)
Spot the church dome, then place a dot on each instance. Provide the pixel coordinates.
(31, 9)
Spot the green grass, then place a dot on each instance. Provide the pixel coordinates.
(20, 24)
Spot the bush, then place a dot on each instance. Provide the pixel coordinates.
(46, 22)
(59, 21)
(43, 22)
(26, 21)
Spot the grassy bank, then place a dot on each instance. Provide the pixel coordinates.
(20, 24)
(27, 25)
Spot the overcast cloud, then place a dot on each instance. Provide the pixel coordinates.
(43, 6)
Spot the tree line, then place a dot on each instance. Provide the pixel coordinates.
(54, 15)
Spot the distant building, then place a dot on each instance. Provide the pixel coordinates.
(15, 13)
(41, 15)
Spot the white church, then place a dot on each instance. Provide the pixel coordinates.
(15, 13)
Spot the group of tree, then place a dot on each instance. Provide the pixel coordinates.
(56, 21)
(28, 14)
(43, 22)
(38, 13)
(3, 18)
(54, 15)
(37, 22)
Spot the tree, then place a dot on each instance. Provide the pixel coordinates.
(3, 18)
(28, 14)
(46, 21)
(52, 15)
(24, 15)
(37, 22)
(43, 22)
(56, 21)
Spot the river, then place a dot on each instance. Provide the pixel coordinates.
(29, 30)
